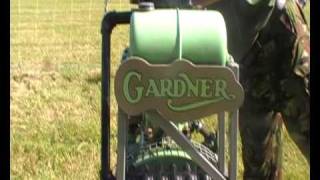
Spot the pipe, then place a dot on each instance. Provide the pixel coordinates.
(110, 20)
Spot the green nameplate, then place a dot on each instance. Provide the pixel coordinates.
(180, 91)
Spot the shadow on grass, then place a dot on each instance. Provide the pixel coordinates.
(94, 78)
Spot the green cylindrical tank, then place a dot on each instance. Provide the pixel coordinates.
(162, 36)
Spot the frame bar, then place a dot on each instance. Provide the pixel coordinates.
(221, 142)
(123, 121)
(110, 20)
(234, 130)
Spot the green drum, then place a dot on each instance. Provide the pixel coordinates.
(163, 36)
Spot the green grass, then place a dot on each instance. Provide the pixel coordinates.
(307, 12)
(55, 90)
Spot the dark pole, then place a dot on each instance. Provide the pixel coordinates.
(105, 106)
(110, 20)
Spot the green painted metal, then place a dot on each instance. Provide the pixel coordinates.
(161, 155)
(162, 36)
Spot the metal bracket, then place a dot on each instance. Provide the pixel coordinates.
(171, 130)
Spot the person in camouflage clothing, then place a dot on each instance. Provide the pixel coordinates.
(270, 41)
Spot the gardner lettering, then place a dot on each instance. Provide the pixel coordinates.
(181, 86)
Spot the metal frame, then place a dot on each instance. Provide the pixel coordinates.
(111, 20)
(170, 129)
(123, 121)
(234, 127)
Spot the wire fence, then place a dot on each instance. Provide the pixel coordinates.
(64, 27)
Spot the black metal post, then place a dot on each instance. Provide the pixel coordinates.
(110, 20)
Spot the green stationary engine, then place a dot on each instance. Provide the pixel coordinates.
(175, 71)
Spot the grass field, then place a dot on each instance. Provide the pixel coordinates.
(55, 90)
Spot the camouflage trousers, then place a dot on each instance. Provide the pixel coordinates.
(276, 87)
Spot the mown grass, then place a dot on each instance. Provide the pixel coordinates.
(55, 90)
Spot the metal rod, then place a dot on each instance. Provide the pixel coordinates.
(105, 108)
(221, 141)
(110, 20)
(233, 145)
(234, 133)
(123, 121)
